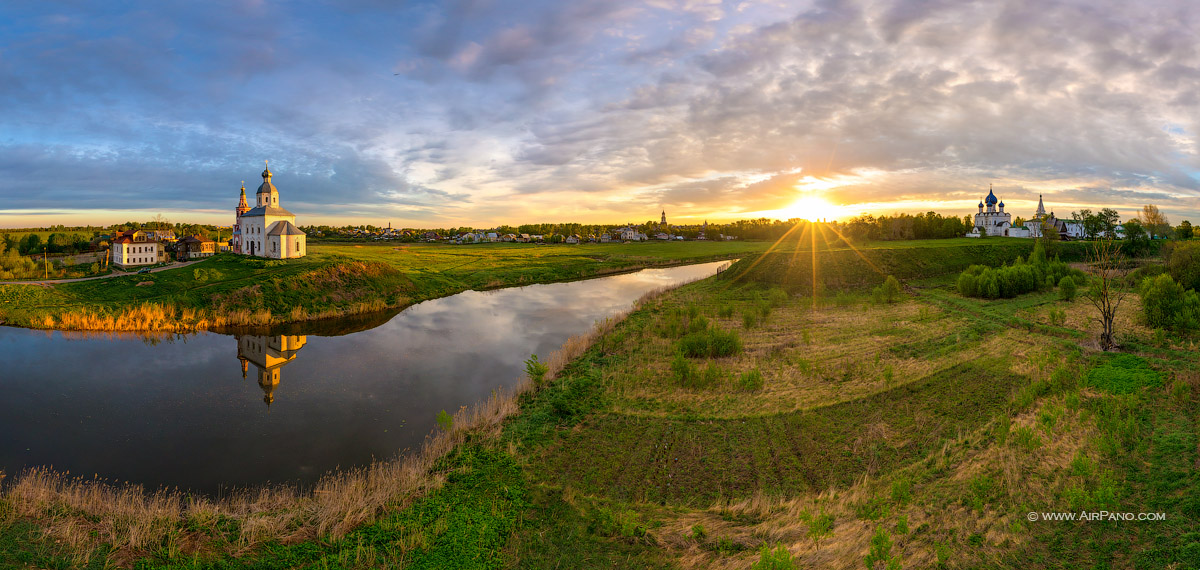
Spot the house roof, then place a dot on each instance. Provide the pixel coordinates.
(284, 228)
(195, 239)
(267, 211)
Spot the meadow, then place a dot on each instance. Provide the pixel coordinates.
(734, 423)
(334, 280)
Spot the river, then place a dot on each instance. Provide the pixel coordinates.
(211, 412)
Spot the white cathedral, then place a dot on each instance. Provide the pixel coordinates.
(992, 220)
(267, 230)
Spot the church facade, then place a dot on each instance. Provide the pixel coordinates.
(267, 230)
(992, 220)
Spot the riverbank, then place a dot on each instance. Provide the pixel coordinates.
(89, 522)
(730, 415)
(333, 281)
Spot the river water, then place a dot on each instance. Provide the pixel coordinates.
(211, 412)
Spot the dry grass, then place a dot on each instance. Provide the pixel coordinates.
(808, 358)
(1023, 476)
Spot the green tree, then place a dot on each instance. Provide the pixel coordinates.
(1183, 264)
(1066, 288)
(1184, 230)
(880, 554)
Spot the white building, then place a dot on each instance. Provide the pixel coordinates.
(134, 247)
(993, 221)
(268, 230)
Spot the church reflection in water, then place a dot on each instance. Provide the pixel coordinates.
(268, 354)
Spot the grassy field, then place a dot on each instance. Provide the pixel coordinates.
(833, 435)
(332, 281)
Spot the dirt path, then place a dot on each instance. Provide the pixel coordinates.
(173, 265)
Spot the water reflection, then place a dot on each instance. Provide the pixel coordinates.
(268, 354)
(173, 411)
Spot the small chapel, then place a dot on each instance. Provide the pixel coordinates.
(267, 230)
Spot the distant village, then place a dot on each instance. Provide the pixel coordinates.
(650, 231)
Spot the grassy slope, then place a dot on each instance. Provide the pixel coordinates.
(335, 280)
(943, 445)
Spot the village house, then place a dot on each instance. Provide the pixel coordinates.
(133, 248)
(194, 247)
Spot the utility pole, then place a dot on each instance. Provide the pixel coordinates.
(45, 261)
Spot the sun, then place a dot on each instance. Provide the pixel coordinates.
(813, 208)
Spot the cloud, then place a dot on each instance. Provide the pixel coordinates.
(474, 111)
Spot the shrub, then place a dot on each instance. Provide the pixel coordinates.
(697, 324)
(750, 381)
(1066, 288)
(725, 311)
(1057, 317)
(774, 559)
(777, 297)
(445, 421)
(1184, 264)
(901, 491)
(713, 342)
(749, 320)
(536, 370)
(1009, 281)
(881, 552)
(698, 532)
(684, 372)
(889, 292)
(1166, 304)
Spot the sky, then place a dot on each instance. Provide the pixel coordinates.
(482, 112)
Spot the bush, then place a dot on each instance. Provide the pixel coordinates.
(1066, 288)
(684, 372)
(1167, 305)
(725, 311)
(881, 552)
(889, 292)
(445, 421)
(536, 370)
(749, 320)
(750, 381)
(774, 559)
(713, 342)
(1184, 264)
(1009, 281)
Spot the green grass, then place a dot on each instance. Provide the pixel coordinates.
(932, 470)
(335, 280)
(693, 462)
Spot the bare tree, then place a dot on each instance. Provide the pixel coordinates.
(1154, 221)
(1109, 286)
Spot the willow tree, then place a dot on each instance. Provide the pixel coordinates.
(1109, 286)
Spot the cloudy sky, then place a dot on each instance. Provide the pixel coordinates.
(477, 112)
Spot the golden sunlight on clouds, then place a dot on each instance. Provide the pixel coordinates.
(812, 208)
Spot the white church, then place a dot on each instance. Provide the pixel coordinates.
(267, 230)
(992, 220)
